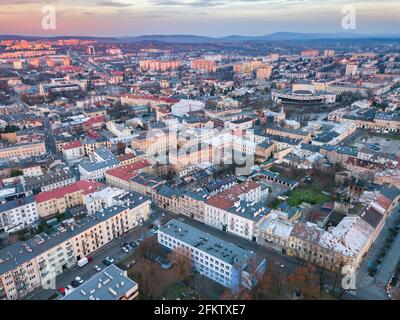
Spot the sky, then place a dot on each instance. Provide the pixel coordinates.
(198, 17)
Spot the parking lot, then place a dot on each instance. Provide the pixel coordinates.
(376, 143)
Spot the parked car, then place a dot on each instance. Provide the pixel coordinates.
(133, 244)
(108, 261)
(124, 244)
(97, 268)
(79, 280)
(61, 290)
(125, 249)
(74, 284)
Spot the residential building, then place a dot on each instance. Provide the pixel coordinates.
(223, 262)
(18, 214)
(112, 283)
(57, 201)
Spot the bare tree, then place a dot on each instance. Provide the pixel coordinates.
(182, 263)
(304, 282)
(148, 276)
(148, 247)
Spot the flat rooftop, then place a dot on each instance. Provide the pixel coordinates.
(220, 249)
(109, 284)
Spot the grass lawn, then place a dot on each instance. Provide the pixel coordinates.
(309, 195)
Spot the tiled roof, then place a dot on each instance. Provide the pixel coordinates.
(85, 186)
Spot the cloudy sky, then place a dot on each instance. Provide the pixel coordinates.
(200, 17)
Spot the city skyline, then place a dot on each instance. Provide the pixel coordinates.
(215, 18)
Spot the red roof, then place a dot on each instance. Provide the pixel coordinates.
(227, 198)
(126, 156)
(85, 186)
(95, 120)
(219, 202)
(117, 73)
(72, 145)
(149, 97)
(93, 134)
(128, 172)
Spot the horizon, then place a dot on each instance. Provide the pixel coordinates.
(394, 34)
(209, 18)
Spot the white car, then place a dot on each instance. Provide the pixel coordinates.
(97, 268)
(79, 280)
(125, 249)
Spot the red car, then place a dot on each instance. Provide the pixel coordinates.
(61, 290)
(90, 259)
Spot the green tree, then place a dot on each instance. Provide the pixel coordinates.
(15, 173)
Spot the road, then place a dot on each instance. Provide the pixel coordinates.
(50, 140)
(113, 250)
(375, 288)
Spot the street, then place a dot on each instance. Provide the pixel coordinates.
(112, 250)
(375, 288)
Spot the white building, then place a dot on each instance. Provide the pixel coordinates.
(351, 69)
(120, 130)
(186, 106)
(101, 199)
(212, 257)
(18, 214)
(96, 167)
(236, 210)
(73, 151)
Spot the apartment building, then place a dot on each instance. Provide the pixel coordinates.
(73, 151)
(145, 184)
(304, 136)
(182, 160)
(112, 283)
(192, 204)
(21, 151)
(26, 266)
(60, 177)
(18, 214)
(57, 201)
(222, 262)
(159, 65)
(90, 144)
(236, 210)
(155, 142)
(101, 199)
(120, 177)
(204, 65)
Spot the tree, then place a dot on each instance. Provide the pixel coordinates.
(304, 282)
(182, 263)
(148, 247)
(241, 294)
(15, 173)
(148, 277)
(260, 284)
